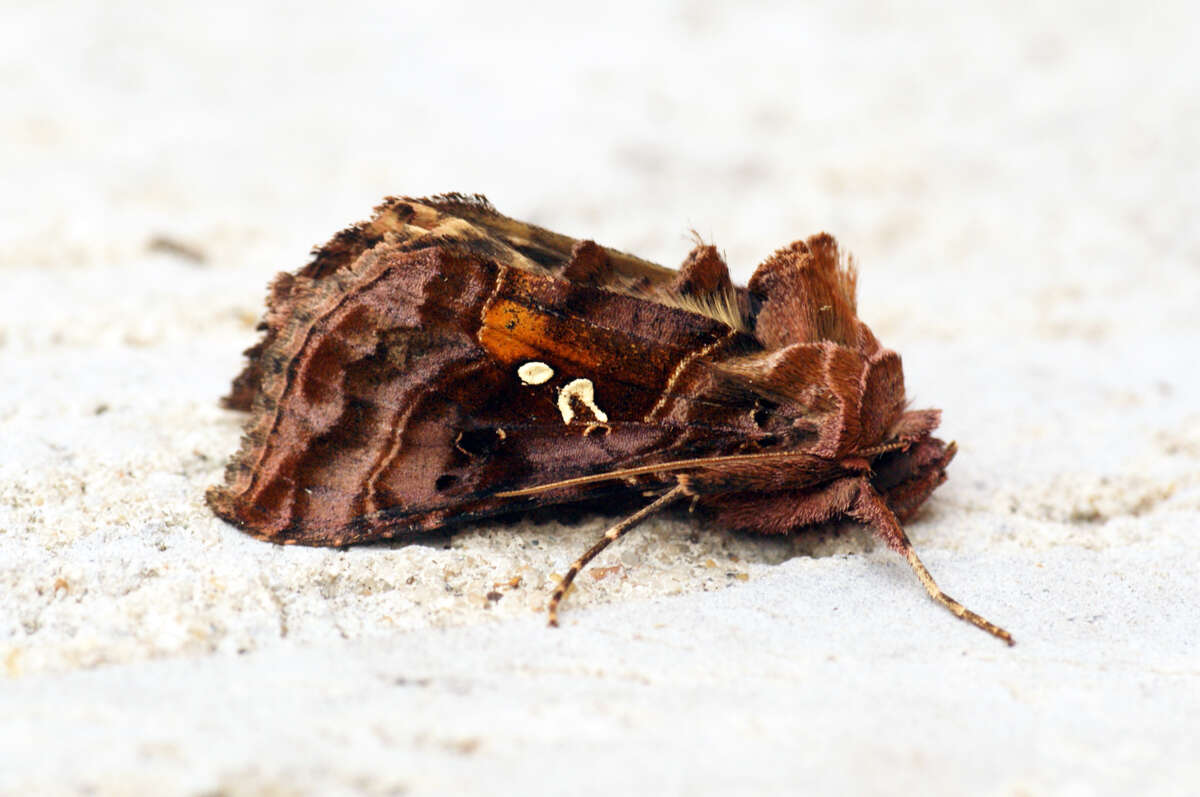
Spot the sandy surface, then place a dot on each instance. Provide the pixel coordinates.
(1021, 193)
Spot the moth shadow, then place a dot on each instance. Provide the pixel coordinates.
(610, 509)
(688, 533)
(834, 538)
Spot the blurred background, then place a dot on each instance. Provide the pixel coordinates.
(1008, 135)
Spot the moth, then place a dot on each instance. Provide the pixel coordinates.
(442, 363)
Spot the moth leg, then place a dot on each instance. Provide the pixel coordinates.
(870, 508)
(610, 536)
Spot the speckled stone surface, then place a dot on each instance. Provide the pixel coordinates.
(1020, 192)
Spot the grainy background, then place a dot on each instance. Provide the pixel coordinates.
(1020, 188)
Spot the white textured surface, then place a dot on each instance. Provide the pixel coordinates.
(1021, 191)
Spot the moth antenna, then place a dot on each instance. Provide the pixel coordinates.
(612, 535)
(882, 448)
(873, 510)
(642, 470)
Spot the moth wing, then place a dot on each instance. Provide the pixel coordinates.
(390, 396)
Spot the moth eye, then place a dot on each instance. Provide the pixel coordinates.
(445, 482)
(479, 442)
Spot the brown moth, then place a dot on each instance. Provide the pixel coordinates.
(442, 363)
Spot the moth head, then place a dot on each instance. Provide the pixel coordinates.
(911, 463)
